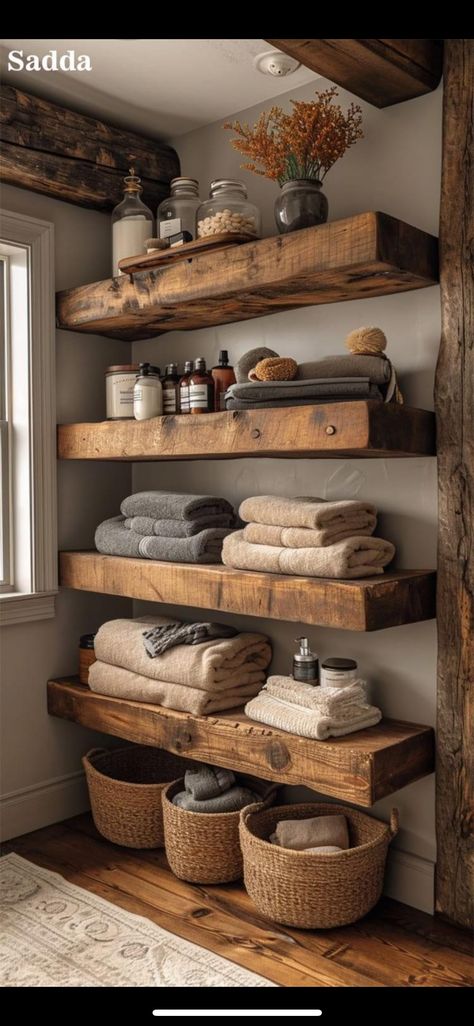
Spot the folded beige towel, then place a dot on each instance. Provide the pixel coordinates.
(361, 524)
(119, 683)
(214, 665)
(335, 702)
(301, 834)
(308, 722)
(305, 511)
(323, 849)
(354, 557)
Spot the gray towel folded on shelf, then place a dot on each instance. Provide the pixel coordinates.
(116, 682)
(231, 801)
(173, 505)
(345, 560)
(113, 539)
(208, 782)
(177, 528)
(376, 368)
(265, 394)
(159, 639)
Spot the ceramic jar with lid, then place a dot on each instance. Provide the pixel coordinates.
(148, 393)
(119, 384)
(228, 210)
(338, 673)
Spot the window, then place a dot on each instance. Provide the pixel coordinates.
(28, 560)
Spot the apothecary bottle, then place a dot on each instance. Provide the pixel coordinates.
(201, 388)
(132, 223)
(228, 210)
(171, 389)
(184, 388)
(177, 213)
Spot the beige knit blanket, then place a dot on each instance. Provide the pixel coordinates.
(308, 511)
(307, 537)
(119, 683)
(349, 559)
(214, 665)
(308, 722)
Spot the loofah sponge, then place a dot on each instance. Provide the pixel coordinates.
(279, 368)
(366, 341)
(248, 361)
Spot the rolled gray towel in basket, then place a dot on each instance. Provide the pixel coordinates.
(231, 801)
(208, 782)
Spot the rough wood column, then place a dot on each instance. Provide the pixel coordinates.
(454, 397)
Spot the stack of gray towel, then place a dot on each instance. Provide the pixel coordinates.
(212, 789)
(331, 379)
(169, 526)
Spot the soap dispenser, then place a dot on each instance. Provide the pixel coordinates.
(305, 663)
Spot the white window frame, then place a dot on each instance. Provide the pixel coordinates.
(36, 601)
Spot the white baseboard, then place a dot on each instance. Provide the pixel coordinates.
(410, 879)
(39, 805)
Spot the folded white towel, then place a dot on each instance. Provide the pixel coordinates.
(337, 703)
(307, 722)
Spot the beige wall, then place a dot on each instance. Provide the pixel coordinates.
(41, 755)
(396, 168)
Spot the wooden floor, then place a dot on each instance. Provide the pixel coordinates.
(395, 946)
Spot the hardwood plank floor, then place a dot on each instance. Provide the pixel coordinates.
(395, 946)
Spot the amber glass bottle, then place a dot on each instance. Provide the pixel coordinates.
(184, 388)
(223, 377)
(201, 388)
(170, 389)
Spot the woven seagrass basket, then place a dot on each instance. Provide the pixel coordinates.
(125, 786)
(203, 847)
(310, 890)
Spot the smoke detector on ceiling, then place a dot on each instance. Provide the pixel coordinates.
(275, 63)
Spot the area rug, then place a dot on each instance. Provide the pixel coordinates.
(54, 934)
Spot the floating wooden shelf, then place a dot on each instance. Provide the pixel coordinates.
(367, 255)
(382, 71)
(335, 429)
(387, 600)
(359, 768)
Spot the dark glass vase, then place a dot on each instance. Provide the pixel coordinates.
(300, 204)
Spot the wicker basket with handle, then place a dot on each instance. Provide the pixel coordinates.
(125, 786)
(203, 847)
(314, 891)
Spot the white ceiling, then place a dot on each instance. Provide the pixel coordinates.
(161, 87)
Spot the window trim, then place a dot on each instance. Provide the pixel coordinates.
(6, 539)
(38, 237)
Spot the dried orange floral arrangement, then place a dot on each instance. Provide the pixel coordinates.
(300, 145)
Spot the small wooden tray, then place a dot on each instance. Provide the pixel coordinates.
(146, 261)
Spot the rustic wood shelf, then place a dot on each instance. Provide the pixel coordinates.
(367, 255)
(382, 71)
(357, 429)
(359, 768)
(373, 604)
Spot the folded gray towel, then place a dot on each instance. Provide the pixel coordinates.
(231, 801)
(208, 782)
(376, 368)
(113, 539)
(173, 506)
(159, 639)
(267, 394)
(177, 528)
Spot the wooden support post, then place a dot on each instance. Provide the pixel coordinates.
(455, 419)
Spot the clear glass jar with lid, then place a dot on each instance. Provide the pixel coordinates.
(227, 210)
(177, 213)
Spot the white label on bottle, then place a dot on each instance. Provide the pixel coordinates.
(128, 239)
(199, 396)
(169, 400)
(170, 227)
(184, 399)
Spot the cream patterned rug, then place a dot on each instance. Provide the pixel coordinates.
(54, 934)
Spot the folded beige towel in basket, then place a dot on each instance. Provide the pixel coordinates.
(308, 511)
(318, 831)
(119, 683)
(214, 665)
(354, 557)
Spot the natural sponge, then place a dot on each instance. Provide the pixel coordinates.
(366, 341)
(278, 368)
(248, 361)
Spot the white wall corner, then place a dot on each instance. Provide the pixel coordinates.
(39, 805)
(410, 879)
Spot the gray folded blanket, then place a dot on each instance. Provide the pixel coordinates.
(113, 539)
(231, 801)
(264, 394)
(208, 782)
(376, 368)
(178, 528)
(173, 506)
(159, 639)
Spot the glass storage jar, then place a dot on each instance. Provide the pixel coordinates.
(177, 213)
(227, 210)
(132, 223)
